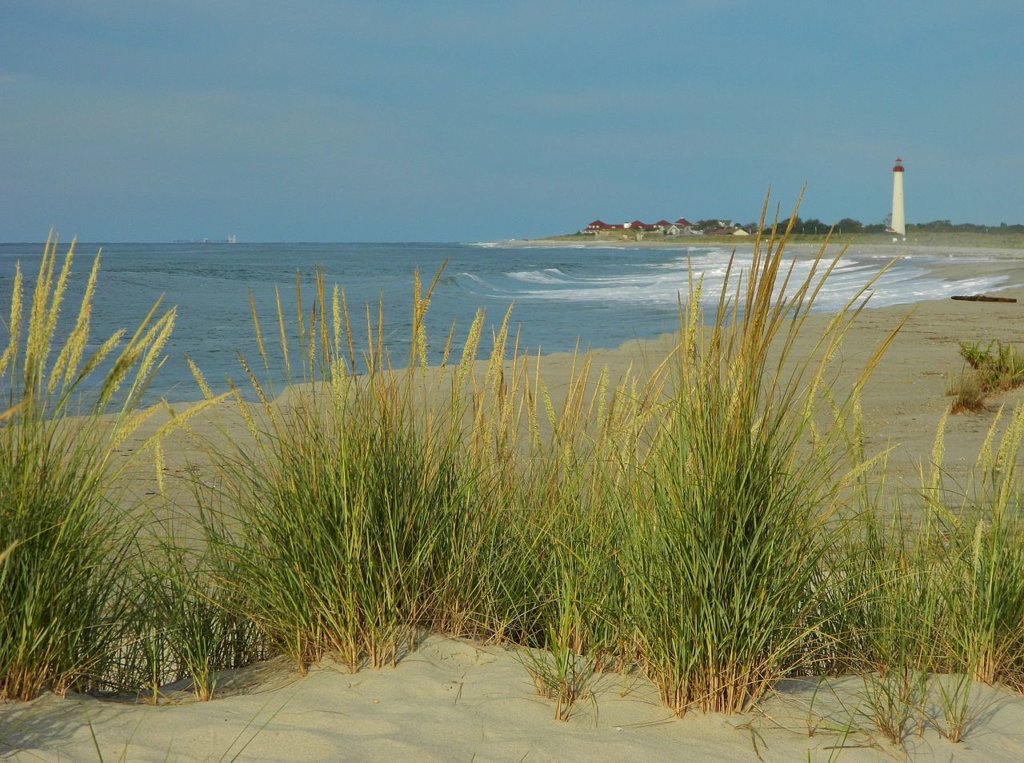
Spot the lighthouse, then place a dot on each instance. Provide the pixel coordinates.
(898, 223)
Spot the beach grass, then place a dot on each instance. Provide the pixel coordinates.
(727, 562)
(377, 503)
(63, 589)
(676, 524)
(993, 368)
(327, 527)
(712, 523)
(185, 626)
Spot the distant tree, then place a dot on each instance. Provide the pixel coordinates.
(849, 225)
(813, 225)
(797, 226)
(945, 226)
(936, 225)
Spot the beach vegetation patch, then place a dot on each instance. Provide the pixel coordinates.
(64, 587)
(991, 369)
(328, 527)
(375, 502)
(933, 597)
(726, 561)
(186, 627)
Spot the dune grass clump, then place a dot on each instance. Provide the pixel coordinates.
(459, 499)
(931, 599)
(573, 602)
(944, 593)
(338, 537)
(184, 625)
(968, 394)
(981, 541)
(63, 594)
(992, 369)
(725, 565)
(334, 513)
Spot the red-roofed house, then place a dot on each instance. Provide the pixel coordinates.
(680, 227)
(598, 226)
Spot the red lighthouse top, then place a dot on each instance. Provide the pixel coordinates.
(899, 165)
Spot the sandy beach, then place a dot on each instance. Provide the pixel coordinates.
(451, 699)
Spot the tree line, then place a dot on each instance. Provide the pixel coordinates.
(849, 225)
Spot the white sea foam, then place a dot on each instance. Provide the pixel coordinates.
(546, 276)
(667, 282)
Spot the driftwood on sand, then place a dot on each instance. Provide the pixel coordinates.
(983, 298)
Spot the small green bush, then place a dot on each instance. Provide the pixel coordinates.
(994, 368)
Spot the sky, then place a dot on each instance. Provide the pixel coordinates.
(444, 120)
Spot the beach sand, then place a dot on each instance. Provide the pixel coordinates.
(456, 700)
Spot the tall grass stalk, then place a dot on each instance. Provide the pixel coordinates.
(63, 595)
(895, 701)
(957, 712)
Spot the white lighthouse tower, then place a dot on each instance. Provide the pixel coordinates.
(898, 223)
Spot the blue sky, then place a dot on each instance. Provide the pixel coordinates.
(468, 121)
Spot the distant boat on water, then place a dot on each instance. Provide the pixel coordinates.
(232, 239)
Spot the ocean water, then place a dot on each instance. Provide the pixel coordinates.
(560, 296)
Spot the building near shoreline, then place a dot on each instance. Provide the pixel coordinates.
(638, 228)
